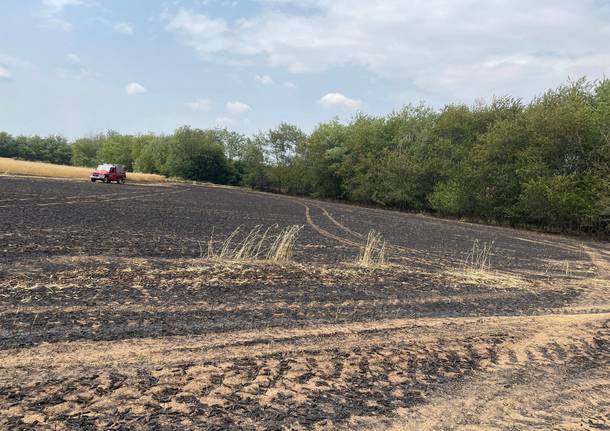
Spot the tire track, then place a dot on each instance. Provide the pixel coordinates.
(340, 225)
(47, 198)
(85, 198)
(308, 218)
(362, 238)
(113, 198)
(324, 232)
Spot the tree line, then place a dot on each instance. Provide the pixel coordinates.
(545, 163)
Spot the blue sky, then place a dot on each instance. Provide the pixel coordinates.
(78, 67)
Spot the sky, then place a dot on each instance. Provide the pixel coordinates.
(79, 67)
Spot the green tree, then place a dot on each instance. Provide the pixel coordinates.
(8, 147)
(233, 143)
(196, 154)
(153, 156)
(253, 168)
(84, 151)
(116, 148)
(280, 145)
(321, 156)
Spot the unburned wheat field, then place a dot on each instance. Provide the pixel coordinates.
(117, 313)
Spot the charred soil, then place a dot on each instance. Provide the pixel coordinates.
(114, 316)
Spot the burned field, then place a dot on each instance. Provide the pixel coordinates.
(115, 315)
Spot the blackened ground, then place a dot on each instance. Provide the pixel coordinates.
(41, 218)
(113, 317)
(104, 304)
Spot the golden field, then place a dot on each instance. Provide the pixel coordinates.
(41, 169)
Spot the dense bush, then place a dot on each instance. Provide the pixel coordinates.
(197, 155)
(545, 163)
(54, 149)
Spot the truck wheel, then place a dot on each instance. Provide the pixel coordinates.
(92, 180)
(105, 180)
(122, 181)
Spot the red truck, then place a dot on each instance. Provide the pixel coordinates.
(108, 173)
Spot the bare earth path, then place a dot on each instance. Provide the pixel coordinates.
(118, 322)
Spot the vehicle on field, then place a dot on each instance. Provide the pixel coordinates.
(108, 173)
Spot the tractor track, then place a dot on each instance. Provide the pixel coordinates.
(92, 199)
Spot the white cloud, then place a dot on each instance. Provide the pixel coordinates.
(264, 79)
(11, 65)
(57, 6)
(134, 88)
(454, 48)
(203, 34)
(338, 100)
(237, 108)
(124, 27)
(52, 10)
(4, 73)
(289, 84)
(199, 105)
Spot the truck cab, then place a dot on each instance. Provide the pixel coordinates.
(108, 173)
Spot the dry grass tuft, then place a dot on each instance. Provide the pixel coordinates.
(479, 258)
(372, 254)
(492, 279)
(283, 246)
(257, 245)
(40, 169)
(477, 270)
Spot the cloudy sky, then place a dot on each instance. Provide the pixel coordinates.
(77, 67)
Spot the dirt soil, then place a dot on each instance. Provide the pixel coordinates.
(112, 316)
